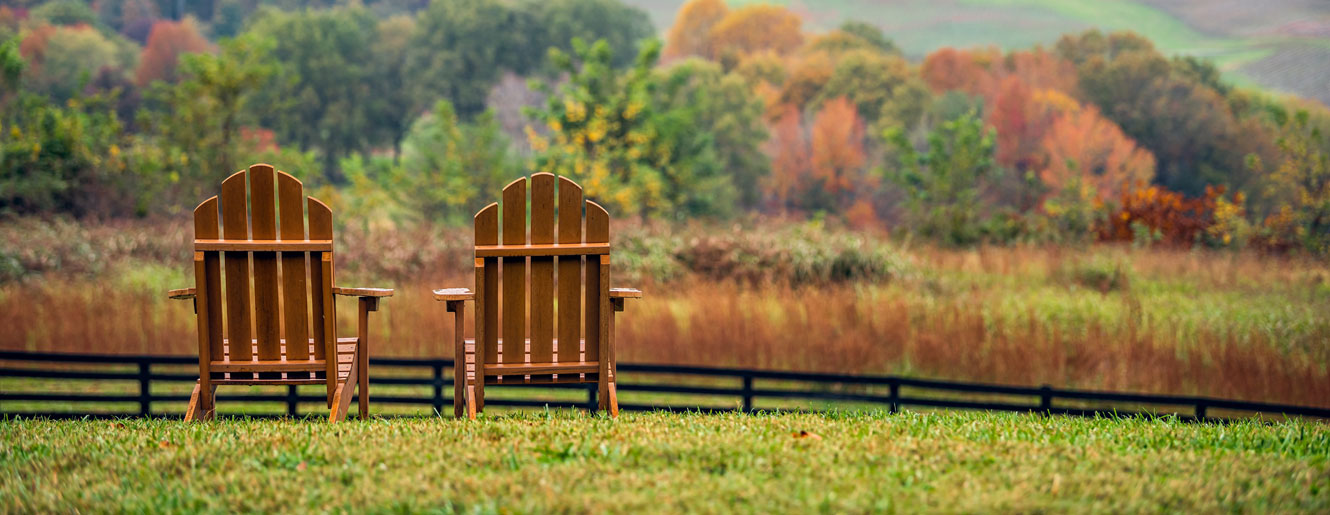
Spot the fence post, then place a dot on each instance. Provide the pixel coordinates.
(292, 401)
(748, 393)
(895, 394)
(592, 397)
(1045, 398)
(145, 388)
(1200, 410)
(438, 388)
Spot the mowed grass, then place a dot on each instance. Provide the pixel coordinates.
(567, 461)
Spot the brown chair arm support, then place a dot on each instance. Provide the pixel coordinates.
(368, 296)
(617, 296)
(181, 294)
(454, 297)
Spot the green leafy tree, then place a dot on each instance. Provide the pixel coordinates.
(321, 96)
(392, 107)
(199, 119)
(942, 183)
(721, 106)
(637, 155)
(460, 47)
(1300, 181)
(451, 168)
(622, 26)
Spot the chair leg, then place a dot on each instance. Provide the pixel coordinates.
(362, 356)
(201, 404)
(342, 398)
(471, 402)
(192, 413)
(612, 400)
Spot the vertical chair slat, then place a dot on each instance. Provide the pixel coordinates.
(208, 285)
(235, 226)
(324, 318)
(597, 231)
(542, 269)
(570, 271)
(514, 273)
(263, 227)
(487, 301)
(295, 287)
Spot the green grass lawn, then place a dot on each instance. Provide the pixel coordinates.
(567, 461)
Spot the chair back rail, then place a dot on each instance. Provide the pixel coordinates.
(265, 280)
(533, 278)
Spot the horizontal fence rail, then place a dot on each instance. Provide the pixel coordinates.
(883, 391)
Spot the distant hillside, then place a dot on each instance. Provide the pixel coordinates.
(1278, 44)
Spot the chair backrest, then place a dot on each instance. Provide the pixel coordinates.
(255, 234)
(560, 238)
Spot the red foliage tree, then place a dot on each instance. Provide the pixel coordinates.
(838, 150)
(1176, 219)
(167, 41)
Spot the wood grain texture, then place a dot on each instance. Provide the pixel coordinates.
(487, 290)
(235, 226)
(542, 269)
(323, 319)
(597, 231)
(570, 272)
(362, 354)
(514, 273)
(295, 265)
(263, 227)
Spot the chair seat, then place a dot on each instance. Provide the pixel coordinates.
(346, 348)
(526, 372)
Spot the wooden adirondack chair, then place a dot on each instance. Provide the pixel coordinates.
(581, 348)
(269, 233)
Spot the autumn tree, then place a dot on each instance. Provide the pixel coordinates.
(1084, 146)
(791, 158)
(949, 69)
(166, 41)
(691, 32)
(838, 152)
(755, 28)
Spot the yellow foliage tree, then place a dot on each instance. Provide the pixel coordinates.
(753, 29)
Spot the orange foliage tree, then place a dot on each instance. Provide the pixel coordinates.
(838, 149)
(166, 42)
(950, 69)
(1083, 144)
(1169, 215)
(823, 167)
(756, 28)
(691, 32)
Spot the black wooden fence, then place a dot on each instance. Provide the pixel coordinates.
(828, 390)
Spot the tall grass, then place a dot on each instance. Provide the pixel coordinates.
(1161, 321)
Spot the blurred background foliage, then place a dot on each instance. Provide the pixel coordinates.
(409, 112)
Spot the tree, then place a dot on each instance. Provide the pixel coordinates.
(459, 48)
(393, 106)
(321, 96)
(199, 119)
(628, 149)
(1300, 181)
(166, 41)
(691, 32)
(753, 29)
(723, 108)
(941, 184)
(450, 169)
(1084, 147)
(949, 69)
(867, 78)
(558, 22)
(64, 58)
(838, 151)
(870, 34)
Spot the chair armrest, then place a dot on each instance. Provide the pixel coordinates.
(625, 293)
(617, 296)
(363, 292)
(181, 294)
(454, 294)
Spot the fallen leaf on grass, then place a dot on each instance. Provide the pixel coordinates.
(808, 434)
(164, 444)
(301, 467)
